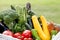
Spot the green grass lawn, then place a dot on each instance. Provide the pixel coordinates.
(49, 8)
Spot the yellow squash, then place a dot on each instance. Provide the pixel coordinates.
(45, 26)
(38, 28)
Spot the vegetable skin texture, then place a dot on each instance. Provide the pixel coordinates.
(35, 34)
(45, 26)
(51, 26)
(38, 28)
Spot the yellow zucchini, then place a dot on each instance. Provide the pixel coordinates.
(38, 28)
(45, 26)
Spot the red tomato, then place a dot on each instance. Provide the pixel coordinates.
(27, 33)
(17, 35)
(22, 37)
(8, 32)
(25, 39)
(30, 39)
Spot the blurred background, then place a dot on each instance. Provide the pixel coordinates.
(49, 8)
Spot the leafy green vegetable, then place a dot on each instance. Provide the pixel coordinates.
(17, 28)
(53, 32)
(22, 19)
(22, 14)
(8, 16)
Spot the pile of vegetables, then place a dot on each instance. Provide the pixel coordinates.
(22, 23)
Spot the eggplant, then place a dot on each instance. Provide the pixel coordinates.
(3, 27)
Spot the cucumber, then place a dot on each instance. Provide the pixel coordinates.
(35, 34)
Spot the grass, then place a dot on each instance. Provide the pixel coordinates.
(49, 8)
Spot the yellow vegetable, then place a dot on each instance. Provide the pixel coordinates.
(45, 26)
(38, 28)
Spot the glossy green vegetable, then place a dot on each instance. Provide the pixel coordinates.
(35, 34)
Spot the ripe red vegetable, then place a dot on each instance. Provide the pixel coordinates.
(8, 32)
(27, 33)
(22, 37)
(51, 27)
(30, 39)
(25, 39)
(17, 35)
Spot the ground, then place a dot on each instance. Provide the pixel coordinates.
(49, 8)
